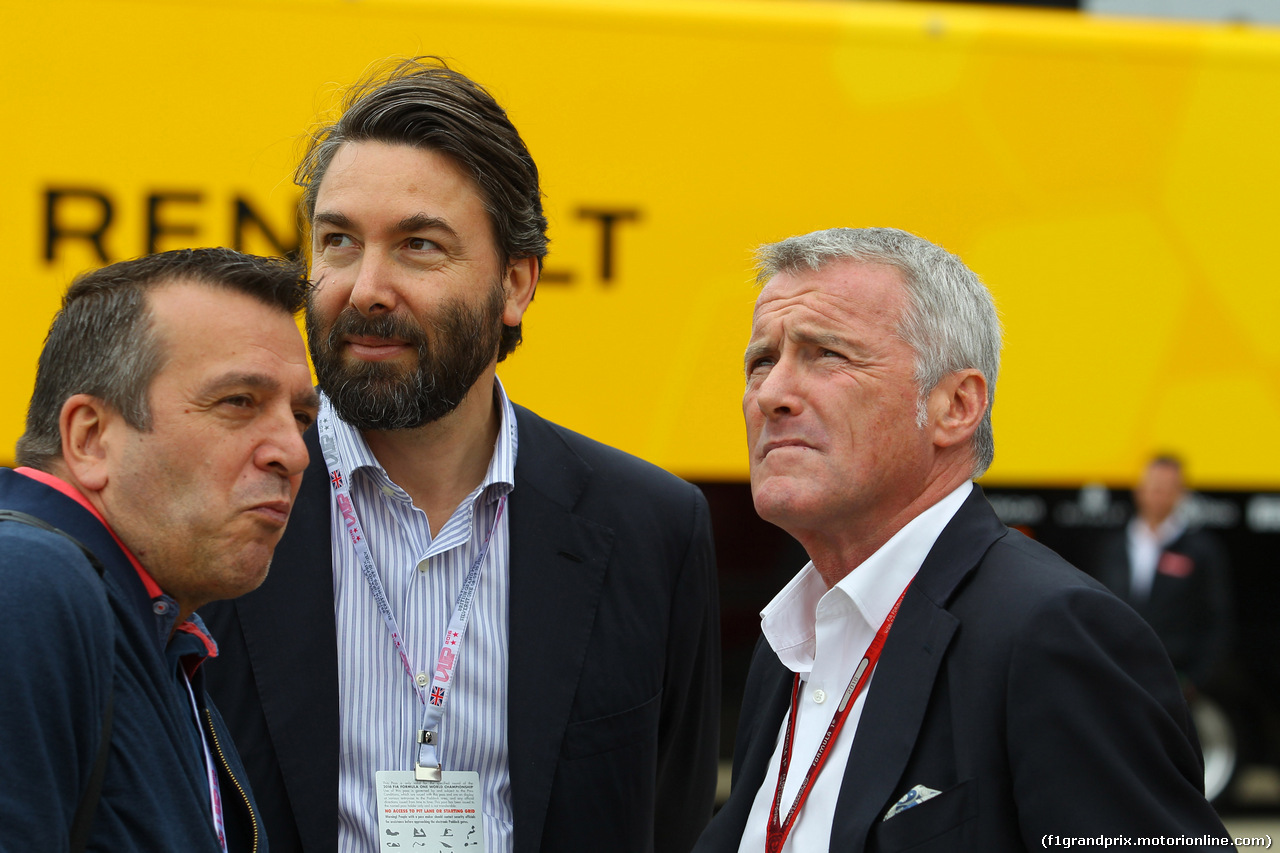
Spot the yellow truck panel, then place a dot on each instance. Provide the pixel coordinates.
(1114, 181)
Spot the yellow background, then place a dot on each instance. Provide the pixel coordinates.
(1114, 182)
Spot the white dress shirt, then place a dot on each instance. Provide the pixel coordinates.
(822, 634)
(1145, 547)
(380, 712)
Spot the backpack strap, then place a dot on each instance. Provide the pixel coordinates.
(93, 793)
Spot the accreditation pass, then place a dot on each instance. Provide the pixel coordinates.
(430, 816)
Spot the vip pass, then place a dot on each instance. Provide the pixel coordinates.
(427, 767)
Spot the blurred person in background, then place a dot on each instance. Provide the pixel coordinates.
(1176, 576)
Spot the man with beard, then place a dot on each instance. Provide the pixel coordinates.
(481, 629)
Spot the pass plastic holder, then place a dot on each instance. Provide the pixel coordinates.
(429, 816)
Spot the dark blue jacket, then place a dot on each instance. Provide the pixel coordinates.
(69, 638)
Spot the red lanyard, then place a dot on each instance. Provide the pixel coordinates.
(777, 831)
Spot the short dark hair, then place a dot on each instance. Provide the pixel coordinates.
(1168, 460)
(102, 342)
(422, 103)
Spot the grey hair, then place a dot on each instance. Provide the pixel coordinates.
(949, 321)
(103, 341)
(422, 103)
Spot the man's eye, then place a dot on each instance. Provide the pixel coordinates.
(304, 418)
(420, 244)
(238, 400)
(335, 241)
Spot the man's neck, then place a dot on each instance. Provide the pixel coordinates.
(93, 501)
(1155, 525)
(439, 464)
(836, 553)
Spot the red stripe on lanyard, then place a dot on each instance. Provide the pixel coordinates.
(777, 831)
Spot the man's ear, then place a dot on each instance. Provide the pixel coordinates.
(519, 285)
(84, 424)
(957, 405)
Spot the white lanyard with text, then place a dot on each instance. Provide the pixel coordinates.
(427, 766)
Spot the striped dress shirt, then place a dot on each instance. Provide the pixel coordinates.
(379, 709)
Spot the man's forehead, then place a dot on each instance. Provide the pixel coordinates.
(845, 287)
(200, 323)
(400, 188)
(399, 162)
(1163, 473)
(178, 298)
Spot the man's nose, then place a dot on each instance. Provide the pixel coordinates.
(779, 391)
(373, 290)
(282, 449)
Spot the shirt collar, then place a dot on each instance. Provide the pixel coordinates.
(61, 485)
(355, 454)
(789, 621)
(1169, 530)
(163, 607)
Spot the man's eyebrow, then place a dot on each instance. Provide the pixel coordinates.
(307, 399)
(331, 217)
(423, 222)
(240, 380)
(410, 224)
(822, 339)
(803, 336)
(756, 350)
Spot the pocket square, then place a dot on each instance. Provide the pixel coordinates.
(1175, 565)
(914, 797)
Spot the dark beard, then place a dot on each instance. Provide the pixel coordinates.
(463, 341)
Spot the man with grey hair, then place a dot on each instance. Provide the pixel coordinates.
(931, 680)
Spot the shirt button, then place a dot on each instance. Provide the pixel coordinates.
(422, 567)
(422, 679)
(819, 696)
(160, 608)
(388, 491)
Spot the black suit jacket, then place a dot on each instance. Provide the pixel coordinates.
(614, 675)
(1035, 701)
(1189, 604)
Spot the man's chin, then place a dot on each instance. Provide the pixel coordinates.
(251, 575)
(779, 502)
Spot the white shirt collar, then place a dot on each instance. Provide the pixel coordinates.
(1169, 530)
(789, 622)
(355, 454)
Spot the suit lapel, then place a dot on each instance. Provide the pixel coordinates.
(558, 561)
(296, 672)
(765, 704)
(906, 673)
(891, 718)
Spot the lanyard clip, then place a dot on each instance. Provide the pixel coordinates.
(426, 773)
